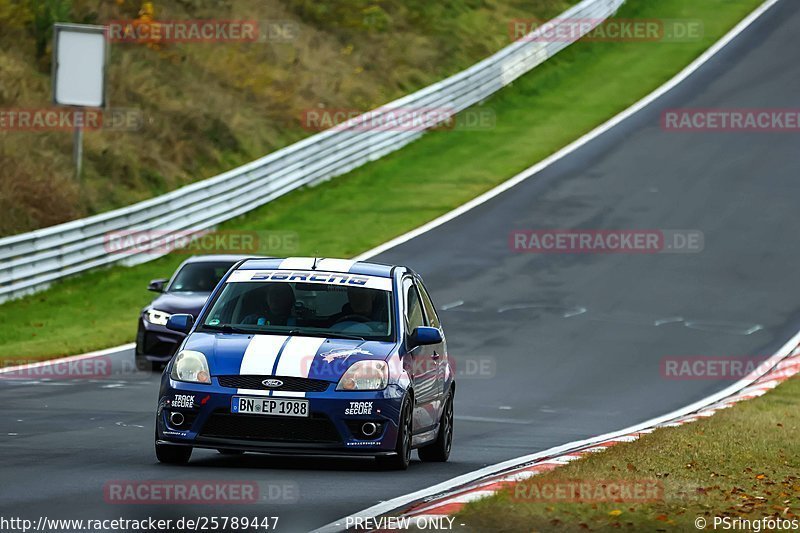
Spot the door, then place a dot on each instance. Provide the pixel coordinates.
(439, 350)
(420, 362)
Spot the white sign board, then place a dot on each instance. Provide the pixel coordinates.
(79, 65)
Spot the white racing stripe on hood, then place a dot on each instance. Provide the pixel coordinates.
(259, 359)
(296, 360)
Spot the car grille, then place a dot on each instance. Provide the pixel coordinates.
(292, 384)
(316, 428)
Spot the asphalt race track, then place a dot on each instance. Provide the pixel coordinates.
(571, 344)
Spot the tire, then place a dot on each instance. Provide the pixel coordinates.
(228, 451)
(402, 449)
(439, 450)
(173, 455)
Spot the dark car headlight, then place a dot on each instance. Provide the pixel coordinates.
(154, 316)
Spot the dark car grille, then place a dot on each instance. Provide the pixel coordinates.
(316, 428)
(292, 384)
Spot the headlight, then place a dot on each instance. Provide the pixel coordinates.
(191, 366)
(365, 375)
(154, 316)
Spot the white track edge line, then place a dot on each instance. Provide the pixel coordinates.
(69, 359)
(783, 352)
(599, 130)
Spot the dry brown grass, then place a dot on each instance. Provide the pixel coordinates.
(211, 106)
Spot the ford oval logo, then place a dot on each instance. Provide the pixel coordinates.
(272, 383)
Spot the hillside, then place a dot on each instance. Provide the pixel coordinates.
(205, 107)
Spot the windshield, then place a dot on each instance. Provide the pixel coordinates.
(199, 277)
(313, 309)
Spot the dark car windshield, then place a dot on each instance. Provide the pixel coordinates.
(313, 309)
(199, 277)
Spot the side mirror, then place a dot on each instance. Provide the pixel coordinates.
(423, 336)
(181, 323)
(157, 285)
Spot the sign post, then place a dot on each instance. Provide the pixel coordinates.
(80, 57)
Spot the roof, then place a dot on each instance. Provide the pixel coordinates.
(362, 268)
(210, 258)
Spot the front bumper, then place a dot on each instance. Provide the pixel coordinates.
(155, 343)
(330, 429)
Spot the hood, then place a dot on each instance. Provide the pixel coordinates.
(172, 303)
(279, 355)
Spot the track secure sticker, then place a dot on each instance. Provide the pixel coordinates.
(185, 401)
(359, 408)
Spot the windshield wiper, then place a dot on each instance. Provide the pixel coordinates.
(347, 336)
(327, 334)
(226, 328)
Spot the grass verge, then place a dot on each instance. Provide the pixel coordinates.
(743, 463)
(542, 112)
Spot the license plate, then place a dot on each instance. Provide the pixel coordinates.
(269, 406)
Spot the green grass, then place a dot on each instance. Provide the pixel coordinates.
(540, 113)
(743, 462)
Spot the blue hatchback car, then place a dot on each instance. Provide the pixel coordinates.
(310, 356)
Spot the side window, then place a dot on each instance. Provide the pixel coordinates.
(430, 312)
(414, 317)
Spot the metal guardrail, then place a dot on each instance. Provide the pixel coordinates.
(31, 261)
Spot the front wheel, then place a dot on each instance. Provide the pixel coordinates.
(439, 450)
(402, 456)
